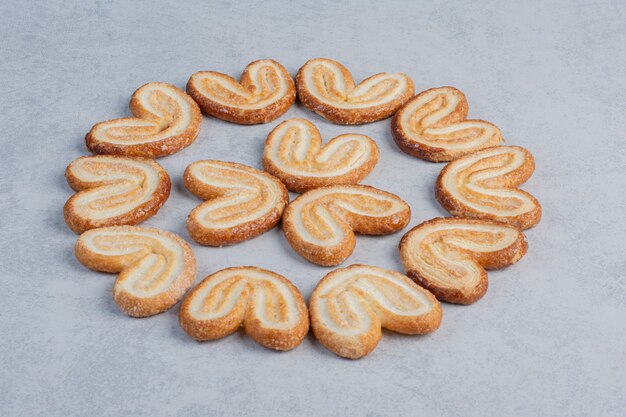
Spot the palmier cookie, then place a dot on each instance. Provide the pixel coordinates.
(326, 87)
(448, 256)
(155, 267)
(294, 153)
(242, 202)
(166, 121)
(114, 190)
(483, 185)
(320, 224)
(432, 126)
(265, 92)
(267, 305)
(349, 307)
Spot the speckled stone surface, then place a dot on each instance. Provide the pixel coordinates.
(548, 339)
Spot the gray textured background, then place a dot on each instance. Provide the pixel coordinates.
(549, 337)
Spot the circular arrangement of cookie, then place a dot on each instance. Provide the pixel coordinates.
(445, 259)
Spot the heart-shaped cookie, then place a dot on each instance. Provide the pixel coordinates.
(267, 305)
(114, 190)
(448, 256)
(327, 88)
(166, 121)
(265, 91)
(483, 185)
(321, 223)
(156, 268)
(294, 153)
(433, 126)
(350, 306)
(242, 202)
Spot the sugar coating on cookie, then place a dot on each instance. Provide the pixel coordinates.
(327, 88)
(267, 305)
(483, 185)
(242, 202)
(265, 91)
(114, 190)
(166, 121)
(433, 126)
(321, 223)
(155, 267)
(294, 153)
(448, 256)
(349, 307)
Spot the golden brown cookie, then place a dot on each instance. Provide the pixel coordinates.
(327, 88)
(448, 256)
(114, 190)
(433, 126)
(166, 121)
(321, 223)
(267, 305)
(265, 92)
(294, 153)
(155, 267)
(483, 185)
(242, 202)
(350, 306)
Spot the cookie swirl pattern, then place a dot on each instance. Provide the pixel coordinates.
(350, 306)
(433, 126)
(166, 121)
(320, 224)
(294, 153)
(327, 88)
(155, 267)
(265, 91)
(113, 190)
(448, 256)
(267, 305)
(483, 185)
(242, 202)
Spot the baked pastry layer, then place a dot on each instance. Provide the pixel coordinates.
(327, 88)
(320, 224)
(242, 202)
(155, 267)
(166, 121)
(294, 153)
(483, 185)
(265, 91)
(350, 306)
(433, 126)
(267, 305)
(114, 190)
(448, 256)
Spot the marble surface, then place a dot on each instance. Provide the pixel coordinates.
(548, 339)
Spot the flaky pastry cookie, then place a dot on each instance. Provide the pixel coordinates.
(326, 87)
(320, 224)
(155, 267)
(166, 121)
(265, 92)
(448, 256)
(294, 153)
(350, 306)
(267, 305)
(483, 185)
(433, 126)
(242, 202)
(114, 190)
